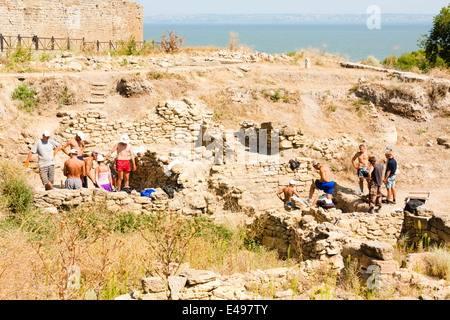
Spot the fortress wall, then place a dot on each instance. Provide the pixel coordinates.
(101, 20)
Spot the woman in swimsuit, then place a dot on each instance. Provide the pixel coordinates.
(103, 174)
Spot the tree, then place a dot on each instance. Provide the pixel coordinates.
(437, 44)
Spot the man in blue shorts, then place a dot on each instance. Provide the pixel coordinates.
(325, 183)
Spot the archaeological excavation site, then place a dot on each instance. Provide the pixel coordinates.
(214, 133)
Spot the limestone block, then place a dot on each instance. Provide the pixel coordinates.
(198, 276)
(378, 250)
(153, 285)
(176, 285)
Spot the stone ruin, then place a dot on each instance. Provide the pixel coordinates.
(215, 185)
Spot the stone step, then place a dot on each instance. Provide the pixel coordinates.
(99, 84)
(98, 93)
(97, 101)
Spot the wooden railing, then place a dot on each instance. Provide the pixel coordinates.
(52, 43)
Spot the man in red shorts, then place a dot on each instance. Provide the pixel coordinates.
(123, 165)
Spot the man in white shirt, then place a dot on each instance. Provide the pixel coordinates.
(46, 150)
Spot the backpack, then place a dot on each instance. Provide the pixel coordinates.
(170, 190)
(323, 204)
(413, 204)
(147, 193)
(294, 164)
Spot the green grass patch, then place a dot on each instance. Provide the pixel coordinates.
(27, 95)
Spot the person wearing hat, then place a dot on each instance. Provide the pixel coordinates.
(76, 143)
(89, 164)
(46, 150)
(124, 163)
(288, 192)
(325, 183)
(103, 177)
(74, 170)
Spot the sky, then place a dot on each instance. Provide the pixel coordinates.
(188, 7)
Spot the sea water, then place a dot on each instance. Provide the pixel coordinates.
(350, 41)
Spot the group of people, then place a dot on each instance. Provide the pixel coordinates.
(368, 168)
(79, 170)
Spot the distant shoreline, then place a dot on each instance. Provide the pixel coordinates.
(286, 19)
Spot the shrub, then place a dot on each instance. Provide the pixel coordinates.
(372, 61)
(171, 42)
(167, 238)
(233, 40)
(66, 97)
(19, 55)
(18, 196)
(27, 95)
(127, 48)
(439, 263)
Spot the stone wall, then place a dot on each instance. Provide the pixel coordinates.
(94, 20)
(427, 225)
(170, 122)
(326, 234)
(115, 201)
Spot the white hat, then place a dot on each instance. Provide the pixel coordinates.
(125, 139)
(100, 158)
(292, 183)
(73, 151)
(81, 135)
(47, 133)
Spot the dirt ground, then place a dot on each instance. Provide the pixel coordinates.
(317, 100)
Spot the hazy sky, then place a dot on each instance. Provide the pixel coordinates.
(179, 7)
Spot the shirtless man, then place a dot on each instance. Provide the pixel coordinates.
(363, 166)
(325, 183)
(74, 170)
(288, 192)
(89, 163)
(76, 143)
(123, 166)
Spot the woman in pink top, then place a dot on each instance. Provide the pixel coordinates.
(103, 174)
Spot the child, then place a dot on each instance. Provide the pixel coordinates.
(103, 174)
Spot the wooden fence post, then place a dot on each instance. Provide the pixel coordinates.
(1, 42)
(68, 43)
(53, 43)
(98, 46)
(36, 42)
(19, 40)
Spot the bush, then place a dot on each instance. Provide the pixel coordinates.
(171, 42)
(19, 55)
(127, 48)
(407, 61)
(18, 196)
(371, 61)
(439, 263)
(27, 95)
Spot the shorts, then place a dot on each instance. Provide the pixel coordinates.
(123, 166)
(73, 184)
(47, 174)
(288, 204)
(390, 182)
(327, 187)
(106, 187)
(85, 182)
(363, 172)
